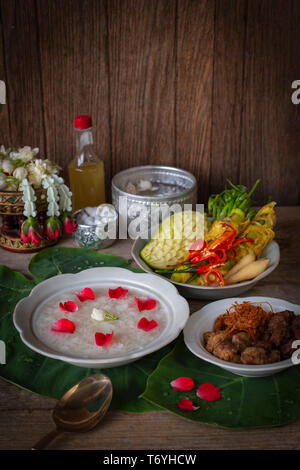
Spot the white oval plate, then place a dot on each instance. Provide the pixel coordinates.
(191, 291)
(204, 319)
(175, 306)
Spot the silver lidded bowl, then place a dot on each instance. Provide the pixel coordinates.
(87, 236)
(177, 186)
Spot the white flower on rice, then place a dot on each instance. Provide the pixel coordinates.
(20, 173)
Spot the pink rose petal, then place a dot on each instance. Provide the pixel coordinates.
(198, 244)
(147, 325)
(147, 304)
(183, 384)
(117, 293)
(187, 405)
(69, 306)
(208, 392)
(64, 326)
(102, 339)
(86, 294)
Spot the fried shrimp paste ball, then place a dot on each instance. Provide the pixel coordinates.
(279, 329)
(226, 351)
(213, 339)
(241, 340)
(259, 356)
(253, 355)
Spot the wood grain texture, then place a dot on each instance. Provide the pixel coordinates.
(229, 49)
(204, 85)
(269, 139)
(23, 73)
(194, 85)
(142, 81)
(25, 417)
(73, 51)
(5, 136)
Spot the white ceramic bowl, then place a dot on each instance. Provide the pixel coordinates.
(190, 291)
(175, 306)
(204, 319)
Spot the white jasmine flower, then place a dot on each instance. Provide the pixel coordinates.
(25, 154)
(12, 187)
(2, 181)
(145, 185)
(20, 173)
(7, 166)
(4, 152)
(29, 198)
(36, 171)
(52, 168)
(98, 314)
(52, 195)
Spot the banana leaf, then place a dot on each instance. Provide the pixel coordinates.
(29, 370)
(246, 402)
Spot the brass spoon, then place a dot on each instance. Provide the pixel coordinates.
(81, 408)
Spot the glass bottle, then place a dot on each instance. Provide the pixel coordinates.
(86, 171)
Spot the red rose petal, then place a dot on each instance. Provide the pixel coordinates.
(86, 294)
(208, 392)
(102, 339)
(117, 293)
(69, 306)
(64, 326)
(187, 405)
(147, 304)
(147, 325)
(183, 384)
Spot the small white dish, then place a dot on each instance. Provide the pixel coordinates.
(204, 319)
(175, 306)
(191, 291)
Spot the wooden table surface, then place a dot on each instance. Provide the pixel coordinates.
(25, 417)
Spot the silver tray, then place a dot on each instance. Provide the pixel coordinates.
(185, 181)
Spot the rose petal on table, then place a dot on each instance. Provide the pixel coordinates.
(147, 325)
(68, 306)
(64, 326)
(208, 392)
(183, 384)
(147, 304)
(187, 405)
(117, 293)
(102, 339)
(86, 294)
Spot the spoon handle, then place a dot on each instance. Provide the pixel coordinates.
(45, 441)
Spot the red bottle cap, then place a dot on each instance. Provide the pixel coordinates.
(83, 122)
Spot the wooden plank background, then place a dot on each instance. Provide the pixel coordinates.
(201, 84)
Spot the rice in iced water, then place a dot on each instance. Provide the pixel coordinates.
(126, 338)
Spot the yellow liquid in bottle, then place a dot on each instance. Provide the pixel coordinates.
(87, 184)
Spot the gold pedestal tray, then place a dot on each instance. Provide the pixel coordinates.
(11, 202)
(12, 242)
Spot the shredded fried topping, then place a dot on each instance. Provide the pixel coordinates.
(245, 316)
